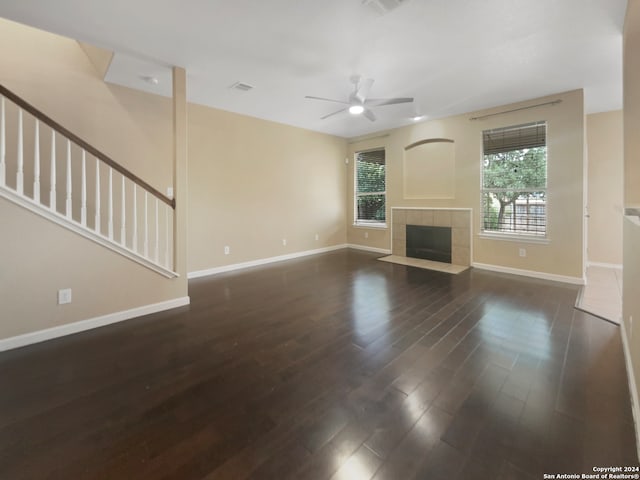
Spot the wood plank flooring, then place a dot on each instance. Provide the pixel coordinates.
(335, 366)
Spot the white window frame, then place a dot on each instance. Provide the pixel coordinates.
(363, 222)
(517, 236)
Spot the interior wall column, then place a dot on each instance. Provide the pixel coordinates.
(180, 186)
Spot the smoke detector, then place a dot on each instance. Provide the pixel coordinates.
(383, 6)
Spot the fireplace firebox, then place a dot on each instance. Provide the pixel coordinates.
(429, 243)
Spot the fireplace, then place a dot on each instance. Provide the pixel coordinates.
(429, 243)
(458, 220)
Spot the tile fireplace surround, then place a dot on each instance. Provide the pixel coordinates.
(459, 219)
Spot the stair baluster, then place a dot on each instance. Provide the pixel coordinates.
(123, 219)
(20, 172)
(69, 204)
(52, 181)
(145, 247)
(110, 205)
(98, 219)
(36, 162)
(83, 191)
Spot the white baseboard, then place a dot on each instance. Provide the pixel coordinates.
(617, 266)
(631, 378)
(368, 249)
(262, 261)
(82, 325)
(530, 273)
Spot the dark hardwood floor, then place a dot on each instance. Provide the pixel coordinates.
(335, 366)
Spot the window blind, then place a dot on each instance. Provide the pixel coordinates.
(518, 137)
(371, 171)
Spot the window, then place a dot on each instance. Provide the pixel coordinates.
(514, 180)
(370, 201)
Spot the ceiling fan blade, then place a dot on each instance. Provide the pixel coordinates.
(327, 99)
(378, 102)
(334, 113)
(369, 114)
(364, 87)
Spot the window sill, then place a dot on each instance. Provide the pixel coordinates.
(515, 238)
(380, 226)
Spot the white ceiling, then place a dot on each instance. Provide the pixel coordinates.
(453, 56)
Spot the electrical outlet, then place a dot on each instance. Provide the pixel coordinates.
(317, 237)
(170, 192)
(64, 296)
(227, 250)
(284, 242)
(523, 252)
(366, 234)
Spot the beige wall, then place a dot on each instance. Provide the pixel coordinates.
(253, 183)
(631, 253)
(54, 74)
(563, 254)
(605, 185)
(37, 257)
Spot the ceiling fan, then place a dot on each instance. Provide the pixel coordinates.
(359, 101)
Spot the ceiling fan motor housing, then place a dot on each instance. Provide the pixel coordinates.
(384, 6)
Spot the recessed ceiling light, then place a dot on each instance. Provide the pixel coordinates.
(417, 118)
(356, 109)
(149, 79)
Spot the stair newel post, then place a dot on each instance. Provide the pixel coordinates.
(20, 172)
(110, 205)
(69, 187)
(36, 162)
(52, 182)
(123, 218)
(134, 208)
(83, 191)
(3, 143)
(156, 252)
(98, 220)
(145, 250)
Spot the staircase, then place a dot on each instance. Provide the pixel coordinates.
(55, 174)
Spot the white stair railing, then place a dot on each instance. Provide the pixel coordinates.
(24, 131)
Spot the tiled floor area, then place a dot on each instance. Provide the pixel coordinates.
(602, 295)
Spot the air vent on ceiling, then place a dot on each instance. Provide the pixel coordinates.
(383, 6)
(243, 87)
